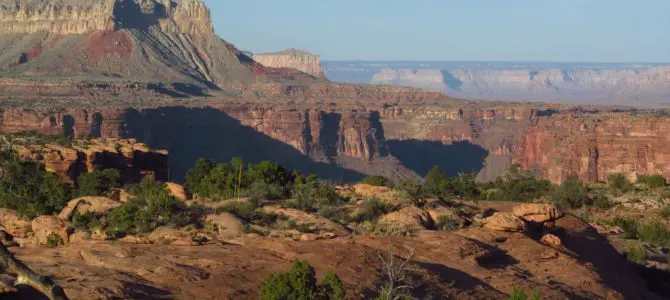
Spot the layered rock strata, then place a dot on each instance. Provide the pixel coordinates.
(292, 58)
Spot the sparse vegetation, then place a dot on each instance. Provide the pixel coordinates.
(653, 181)
(151, 207)
(377, 181)
(300, 283)
(54, 240)
(519, 294)
(371, 210)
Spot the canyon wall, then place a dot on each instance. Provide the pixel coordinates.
(81, 16)
(592, 147)
(292, 58)
(398, 142)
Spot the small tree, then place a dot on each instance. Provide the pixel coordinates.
(300, 284)
(377, 181)
(571, 193)
(436, 182)
(619, 183)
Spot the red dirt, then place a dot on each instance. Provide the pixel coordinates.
(102, 44)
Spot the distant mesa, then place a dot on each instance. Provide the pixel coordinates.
(292, 58)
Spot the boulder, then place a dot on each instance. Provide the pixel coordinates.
(120, 195)
(302, 217)
(173, 236)
(538, 213)
(45, 226)
(177, 191)
(504, 222)
(226, 225)
(551, 240)
(98, 205)
(13, 223)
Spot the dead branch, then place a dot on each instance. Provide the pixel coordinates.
(28, 277)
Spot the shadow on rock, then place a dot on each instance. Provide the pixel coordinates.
(192, 133)
(421, 156)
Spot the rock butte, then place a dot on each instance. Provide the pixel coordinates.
(292, 58)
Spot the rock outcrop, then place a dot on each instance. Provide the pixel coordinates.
(292, 58)
(133, 160)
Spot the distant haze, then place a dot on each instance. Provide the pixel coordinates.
(474, 30)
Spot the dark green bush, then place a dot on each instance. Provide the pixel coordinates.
(98, 182)
(266, 180)
(86, 222)
(300, 284)
(312, 196)
(448, 224)
(377, 181)
(619, 183)
(151, 207)
(436, 183)
(571, 194)
(517, 185)
(54, 240)
(653, 181)
(27, 188)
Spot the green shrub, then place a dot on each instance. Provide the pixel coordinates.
(413, 191)
(637, 254)
(517, 185)
(628, 226)
(654, 232)
(265, 180)
(653, 181)
(27, 188)
(86, 221)
(602, 202)
(665, 212)
(371, 210)
(436, 183)
(300, 284)
(54, 240)
(519, 294)
(97, 183)
(152, 206)
(619, 183)
(312, 195)
(571, 194)
(377, 181)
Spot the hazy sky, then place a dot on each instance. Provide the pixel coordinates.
(517, 30)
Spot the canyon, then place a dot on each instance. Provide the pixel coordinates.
(640, 85)
(155, 71)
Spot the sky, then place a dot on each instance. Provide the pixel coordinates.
(451, 30)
